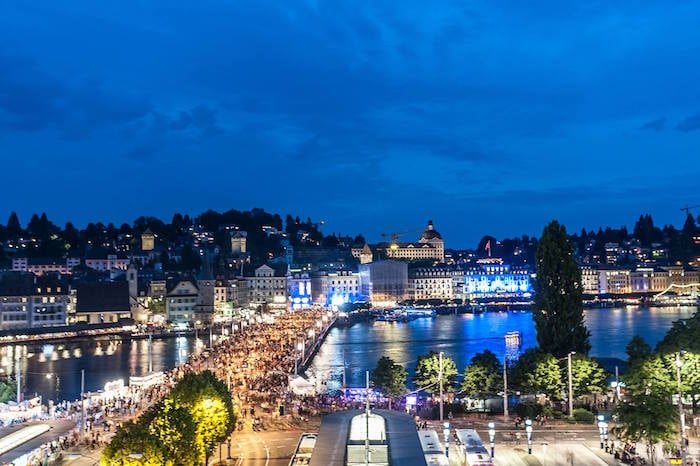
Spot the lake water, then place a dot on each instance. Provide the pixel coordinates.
(53, 371)
(461, 336)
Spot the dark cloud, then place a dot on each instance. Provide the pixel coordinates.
(657, 125)
(32, 100)
(426, 108)
(691, 123)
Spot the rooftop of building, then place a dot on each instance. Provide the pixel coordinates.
(337, 433)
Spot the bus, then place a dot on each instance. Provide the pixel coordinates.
(432, 448)
(302, 455)
(472, 448)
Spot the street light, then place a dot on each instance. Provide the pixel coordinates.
(446, 435)
(492, 436)
(528, 429)
(602, 430)
(679, 364)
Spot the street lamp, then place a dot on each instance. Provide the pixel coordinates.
(446, 435)
(602, 430)
(492, 436)
(528, 429)
(679, 364)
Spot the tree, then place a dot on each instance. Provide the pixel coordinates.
(483, 376)
(538, 372)
(8, 390)
(558, 306)
(176, 430)
(587, 376)
(210, 405)
(428, 369)
(637, 350)
(647, 414)
(135, 438)
(684, 335)
(390, 378)
(14, 229)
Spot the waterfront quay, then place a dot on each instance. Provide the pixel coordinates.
(255, 362)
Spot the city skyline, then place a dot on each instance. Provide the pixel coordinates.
(373, 118)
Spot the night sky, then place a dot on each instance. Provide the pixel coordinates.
(488, 117)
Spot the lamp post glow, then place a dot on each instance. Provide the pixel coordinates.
(446, 435)
(528, 429)
(492, 437)
(602, 430)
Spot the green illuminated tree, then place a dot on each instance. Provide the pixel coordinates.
(558, 306)
(483, 376)
(587, 376)
(390, 378)
(210, 405)
(133, 444)
(8, 390)
(647, 413)
(176, 430)
(538, 372)
(428, 369)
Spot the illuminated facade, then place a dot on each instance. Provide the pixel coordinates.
(181, 301)
(239, 242)
(299, 284)
(28, 302)
(336, 288)
(614, 281)
(266, 288)
(384, 283)
(148, 240)
(649, 280)
(430, 246)
(41, 266)
(430, 283)
(492, 278)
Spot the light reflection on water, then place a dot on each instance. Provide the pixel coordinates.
(461, 336)
(53, 371)
(458, 336)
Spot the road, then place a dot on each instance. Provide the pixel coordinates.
(260, 448)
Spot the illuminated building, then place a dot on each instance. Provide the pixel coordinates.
(28, 301)
(430, 283)
(336, 288)
(148, 240)
(181, 300)
(102, 302)
(649, 280)
(238, 242)
(492, 278)
(589, 280)
(384, 283)
(429, 246)
(266, 287)
(105, 263)
(614, 281)
(39, 266)
(299, 284)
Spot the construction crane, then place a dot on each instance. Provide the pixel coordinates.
(687, 208)
(394, 236)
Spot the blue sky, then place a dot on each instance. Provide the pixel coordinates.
(488, 117)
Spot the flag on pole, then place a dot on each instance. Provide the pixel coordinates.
(487, 247)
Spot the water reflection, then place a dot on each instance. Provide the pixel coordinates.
(53, 370)
(461, 336)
